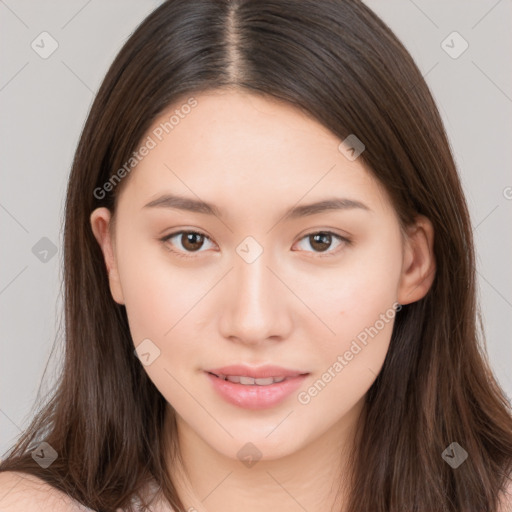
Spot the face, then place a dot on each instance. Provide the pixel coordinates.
(313, 292)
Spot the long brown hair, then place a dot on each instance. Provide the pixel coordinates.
(337, 61)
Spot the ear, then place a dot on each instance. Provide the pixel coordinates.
(418, 269)
(102, 228)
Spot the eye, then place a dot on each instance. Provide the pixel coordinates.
(321, 240)
(192, 242)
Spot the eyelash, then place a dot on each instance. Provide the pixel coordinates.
(181, 254)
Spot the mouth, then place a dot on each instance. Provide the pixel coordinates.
(251, 381)
(255, 393)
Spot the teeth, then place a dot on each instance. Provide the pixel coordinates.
(249, 381)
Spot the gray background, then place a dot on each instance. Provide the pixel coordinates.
(44, 103)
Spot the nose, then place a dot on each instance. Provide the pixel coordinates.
(257, 306)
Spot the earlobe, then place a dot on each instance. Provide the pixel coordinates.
(100, 223)
(419, 266)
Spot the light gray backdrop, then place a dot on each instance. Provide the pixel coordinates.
(53, 56)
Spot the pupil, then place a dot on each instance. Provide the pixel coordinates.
(322, 238)
(189, 239)
(321, 241)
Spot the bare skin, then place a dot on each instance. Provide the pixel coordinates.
(300, 304)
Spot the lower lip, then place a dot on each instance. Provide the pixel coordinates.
(255, 397)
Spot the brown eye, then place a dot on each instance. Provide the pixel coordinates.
(322, 241)
(190, 241)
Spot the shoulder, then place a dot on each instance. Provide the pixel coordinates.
(20, 492)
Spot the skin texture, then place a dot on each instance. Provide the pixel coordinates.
(300, 304)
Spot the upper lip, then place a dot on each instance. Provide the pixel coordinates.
(259, 372)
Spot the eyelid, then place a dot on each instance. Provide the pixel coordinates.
(180, 253)
(343, 240)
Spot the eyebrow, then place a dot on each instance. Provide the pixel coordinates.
(198, 206)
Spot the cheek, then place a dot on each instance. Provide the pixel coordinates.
(157, 292)
(358, 305)
(176, 307)
(354, 301)
(364, 286)
(348, 362)
(159, 300)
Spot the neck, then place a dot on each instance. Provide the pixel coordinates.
(314, 477)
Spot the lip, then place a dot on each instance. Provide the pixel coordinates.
(256, 397)
(259, 372)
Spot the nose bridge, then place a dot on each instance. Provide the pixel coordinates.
(255, 308)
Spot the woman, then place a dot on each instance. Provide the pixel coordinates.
(270, 281)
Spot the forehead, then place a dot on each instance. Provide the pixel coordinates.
(234, 145)
(237, 124)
